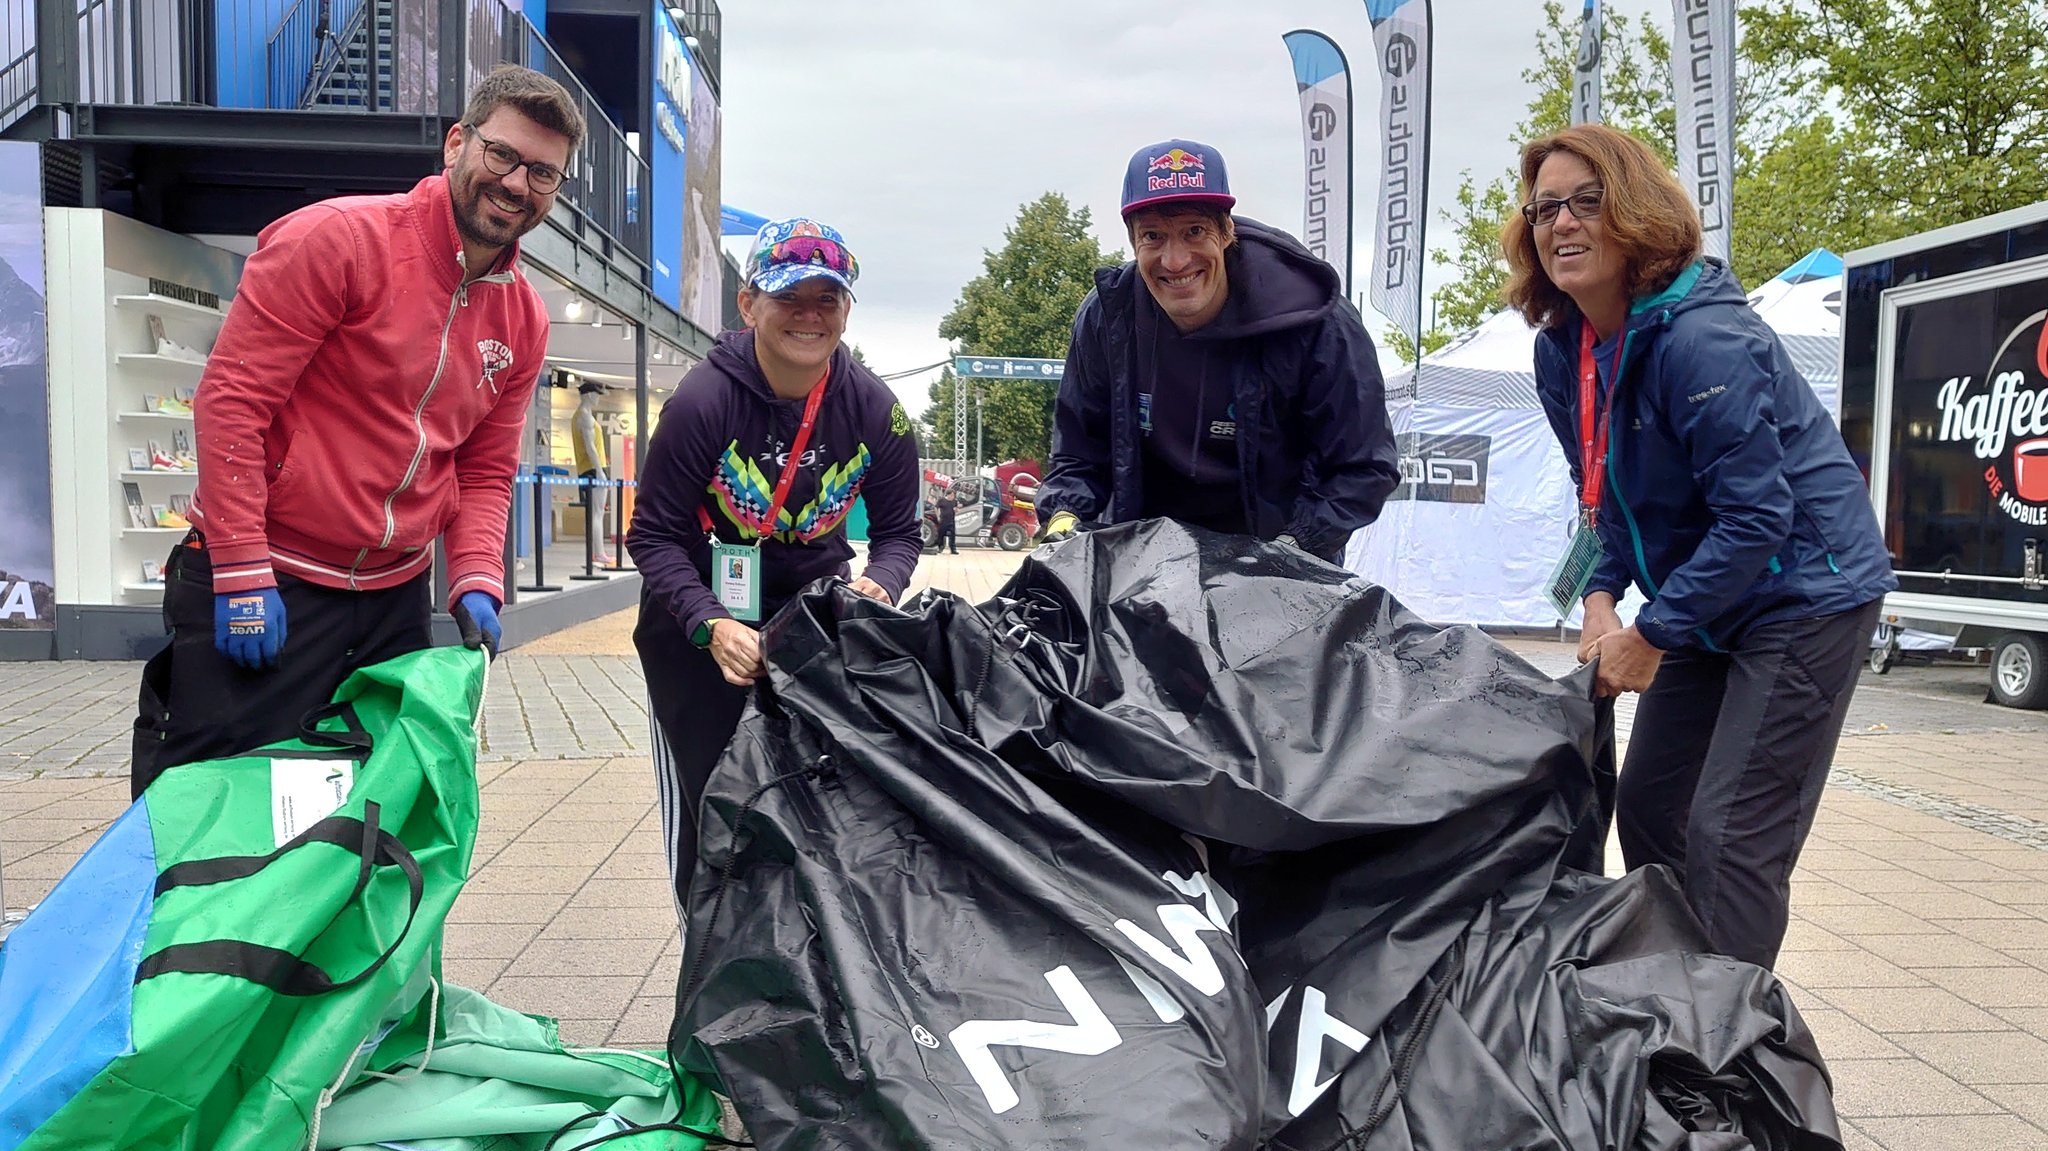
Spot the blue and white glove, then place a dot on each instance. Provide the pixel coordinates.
(476, 614)
(248, 627)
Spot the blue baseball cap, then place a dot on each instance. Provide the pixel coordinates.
(1176, 170)
(788, 252)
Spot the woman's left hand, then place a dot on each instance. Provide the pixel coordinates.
(873, 590)
(1628, 662)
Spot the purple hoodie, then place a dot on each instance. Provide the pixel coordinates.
(720, 446)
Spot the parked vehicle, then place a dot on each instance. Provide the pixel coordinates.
(1945, 402)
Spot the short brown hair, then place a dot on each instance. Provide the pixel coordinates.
(1645, 212)
(533, 95)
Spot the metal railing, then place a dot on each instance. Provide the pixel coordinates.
(348, 55)
(701, 21)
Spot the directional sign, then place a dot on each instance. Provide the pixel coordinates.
(1008, 368)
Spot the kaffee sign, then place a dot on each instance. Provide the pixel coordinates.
(2002, 414)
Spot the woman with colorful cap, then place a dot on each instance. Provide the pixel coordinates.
(1712, 479)
(750, 473)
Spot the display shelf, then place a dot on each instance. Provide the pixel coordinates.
(161, 365)
(127, 475)
(185, 418)
(167, 304)
(144, 587)
(152, 531)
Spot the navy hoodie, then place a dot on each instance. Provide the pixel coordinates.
(1315, 451)
(720, 447)
(1730, 499)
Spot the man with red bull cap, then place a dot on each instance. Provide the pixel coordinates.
(1220, 378)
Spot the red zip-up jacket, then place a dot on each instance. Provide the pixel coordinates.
(361, 401)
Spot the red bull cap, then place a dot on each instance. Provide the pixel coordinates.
(1176, 170)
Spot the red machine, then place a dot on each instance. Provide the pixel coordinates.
(1001, 511)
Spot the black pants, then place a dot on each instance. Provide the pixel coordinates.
(1725, 768)
(947, 536)
(695, 712)
(195, 704)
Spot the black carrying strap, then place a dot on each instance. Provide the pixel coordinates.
(354, 735)
(282, 971)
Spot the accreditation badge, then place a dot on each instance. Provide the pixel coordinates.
(1574, 571)
(736, 579)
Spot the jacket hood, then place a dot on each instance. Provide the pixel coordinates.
(1275, 284)
(733, 356)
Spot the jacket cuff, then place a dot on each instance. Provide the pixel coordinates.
(490, 585)
(1657, 635)
(241, 567)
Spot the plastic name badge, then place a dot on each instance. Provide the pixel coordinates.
(736, 579)
(1568, 582)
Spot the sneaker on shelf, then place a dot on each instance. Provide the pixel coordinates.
(159, 462)
(173, 406)
(172, 519)
(171, 349)
(187, 462)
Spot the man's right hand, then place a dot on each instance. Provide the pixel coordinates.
(1059, 527)
(1601, 618)
(248, 627)
(737, 649)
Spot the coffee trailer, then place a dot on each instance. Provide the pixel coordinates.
(1945, 405)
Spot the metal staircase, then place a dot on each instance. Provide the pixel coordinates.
(354, 70)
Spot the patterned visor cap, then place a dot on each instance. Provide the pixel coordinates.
(788, 252)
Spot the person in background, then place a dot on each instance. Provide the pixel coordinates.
(948, 506)
(750, 473)
(1711, 479)
(1220, 378)
(366, 396)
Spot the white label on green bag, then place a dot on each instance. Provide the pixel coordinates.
(305, 791)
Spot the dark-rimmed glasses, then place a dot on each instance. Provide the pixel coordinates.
(503, 161)
(1583, 206)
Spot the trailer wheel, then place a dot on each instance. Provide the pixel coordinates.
(1010, 537)
(1883, 658)
(928, 535)
(2019, 670)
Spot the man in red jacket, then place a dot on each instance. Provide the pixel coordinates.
(366, 396)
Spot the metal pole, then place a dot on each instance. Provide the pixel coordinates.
(540, 575)
(977, 431)
(619, 563)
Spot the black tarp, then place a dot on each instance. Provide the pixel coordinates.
(1188, 841)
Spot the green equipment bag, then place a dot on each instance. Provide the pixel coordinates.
(492, 1079)
(234, 946)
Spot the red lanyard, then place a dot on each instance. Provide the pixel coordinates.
(790, 463)
(1592, 443)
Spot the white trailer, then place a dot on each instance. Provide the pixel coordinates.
(1945, 402)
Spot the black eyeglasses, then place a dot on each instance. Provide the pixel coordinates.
(1584, 206)
(503, 161)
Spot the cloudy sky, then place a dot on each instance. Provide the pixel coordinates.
(918, 127)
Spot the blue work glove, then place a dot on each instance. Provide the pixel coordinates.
(476, 613)
(248, 626)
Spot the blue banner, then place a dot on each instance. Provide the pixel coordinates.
(665, 151)
(1322, 78)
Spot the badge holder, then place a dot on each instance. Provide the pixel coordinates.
(1574, 571)
(736, 576)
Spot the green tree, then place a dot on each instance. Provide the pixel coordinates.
(1022, 304)
(1857, 121)
(1944, 102)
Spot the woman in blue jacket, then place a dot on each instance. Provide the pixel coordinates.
(1712, 479)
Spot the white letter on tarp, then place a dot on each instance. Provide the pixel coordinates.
(1091, 1033)
(1315, 1025)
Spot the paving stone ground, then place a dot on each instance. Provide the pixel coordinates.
(1918, 950)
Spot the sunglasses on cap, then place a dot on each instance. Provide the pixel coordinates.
(809, 250)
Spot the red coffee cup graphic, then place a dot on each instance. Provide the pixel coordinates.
(2030, 471)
